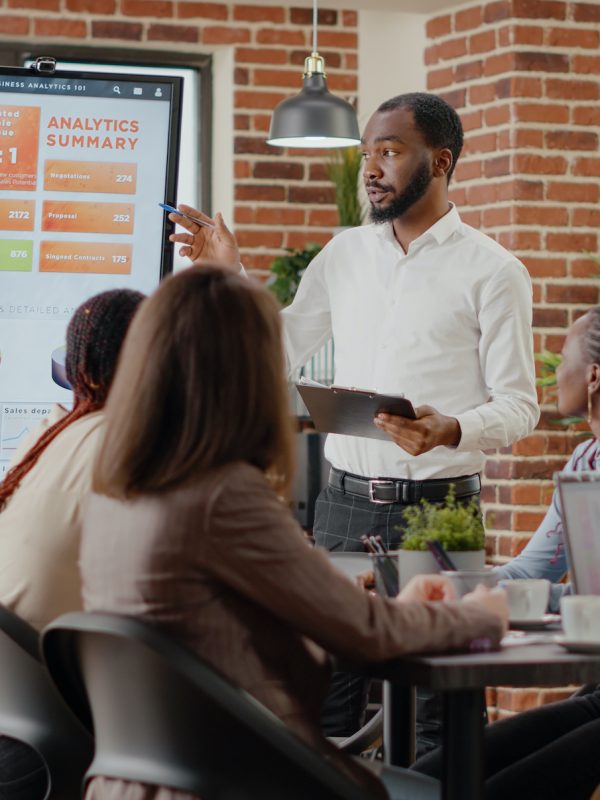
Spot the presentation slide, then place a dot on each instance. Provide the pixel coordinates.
(84, 162)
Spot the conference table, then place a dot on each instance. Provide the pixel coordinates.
(461, 678)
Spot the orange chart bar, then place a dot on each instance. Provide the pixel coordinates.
(16, 215)
(90, 176)
(86, 257)
(72, 217)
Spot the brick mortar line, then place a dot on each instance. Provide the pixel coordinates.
(535, 151)
(485, 27)
(469, 158)
(468, 59)
(539, 228)
(529, 100)
(498, 506)
(572, 205)
(508, 457)
(539, 483)
(504, 49)
(119, 16)
(543, 23)
(530, 177)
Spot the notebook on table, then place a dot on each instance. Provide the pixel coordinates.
(580, 498)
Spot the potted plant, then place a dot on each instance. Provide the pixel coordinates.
(457, 526)
(287, 270)
(343, 170)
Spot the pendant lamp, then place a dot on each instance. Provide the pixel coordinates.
(314, 117)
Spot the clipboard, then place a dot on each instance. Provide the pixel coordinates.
(336, 409)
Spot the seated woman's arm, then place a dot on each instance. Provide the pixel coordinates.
(254, 546)
(544, 556)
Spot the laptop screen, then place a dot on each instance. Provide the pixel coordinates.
(580, 498)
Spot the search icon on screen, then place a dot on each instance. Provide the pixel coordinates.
(116, 90)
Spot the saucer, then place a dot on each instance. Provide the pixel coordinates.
(574, 646)
(533, 624)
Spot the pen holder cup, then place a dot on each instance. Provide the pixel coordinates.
(385, 570)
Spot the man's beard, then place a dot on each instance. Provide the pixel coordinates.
(415, 190)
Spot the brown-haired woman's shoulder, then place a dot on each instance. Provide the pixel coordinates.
(233, 495)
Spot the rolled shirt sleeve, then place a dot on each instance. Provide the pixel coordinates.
(507, 363)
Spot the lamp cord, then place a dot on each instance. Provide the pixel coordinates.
(314, 26)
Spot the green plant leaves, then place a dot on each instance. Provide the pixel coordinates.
(457, 526)
(287, 270)
(343, 170)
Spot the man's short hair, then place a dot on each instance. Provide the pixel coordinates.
(435, 118)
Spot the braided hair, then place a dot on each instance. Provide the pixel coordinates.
(94, 338)
(591, 337)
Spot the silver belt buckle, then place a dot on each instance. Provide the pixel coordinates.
(373, 484)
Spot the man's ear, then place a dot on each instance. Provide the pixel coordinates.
(442, 162)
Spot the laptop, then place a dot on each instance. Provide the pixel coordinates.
(580, 498)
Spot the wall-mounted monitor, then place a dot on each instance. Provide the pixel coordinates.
(85, 159)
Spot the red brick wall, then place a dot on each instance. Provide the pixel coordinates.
(525, 77)
(282, 198)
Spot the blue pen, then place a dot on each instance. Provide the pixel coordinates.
(173, 210)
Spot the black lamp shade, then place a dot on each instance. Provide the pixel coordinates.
(314, 118)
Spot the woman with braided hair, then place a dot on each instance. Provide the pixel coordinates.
(578, 384)
(41, 496)
(551, 752)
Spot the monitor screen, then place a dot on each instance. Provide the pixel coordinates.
(85, 159)
(580, 498)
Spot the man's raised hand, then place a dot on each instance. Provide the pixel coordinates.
(203, 244)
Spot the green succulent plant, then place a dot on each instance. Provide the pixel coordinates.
(456, 526)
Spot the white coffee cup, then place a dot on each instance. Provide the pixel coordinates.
(527, 598)
(581, 617)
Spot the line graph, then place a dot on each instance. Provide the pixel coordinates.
(17, 420)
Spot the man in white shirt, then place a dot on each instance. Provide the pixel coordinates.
(417, 303)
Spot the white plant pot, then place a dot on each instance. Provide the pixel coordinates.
(421, 562)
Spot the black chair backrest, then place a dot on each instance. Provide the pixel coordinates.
(33, 712)
(164, 717)
(20, 632)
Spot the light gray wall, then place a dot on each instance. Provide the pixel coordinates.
(390, 57)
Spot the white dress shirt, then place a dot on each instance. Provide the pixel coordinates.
(448, 324)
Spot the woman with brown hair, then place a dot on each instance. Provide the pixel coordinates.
(186, 530)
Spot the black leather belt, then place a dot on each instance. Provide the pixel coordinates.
(389, 490)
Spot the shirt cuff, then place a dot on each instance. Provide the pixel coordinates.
(471, 427)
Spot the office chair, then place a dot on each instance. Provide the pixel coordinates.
(164, 717)
(32, 711)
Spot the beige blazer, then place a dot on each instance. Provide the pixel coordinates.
(222, 566)
(40, 525)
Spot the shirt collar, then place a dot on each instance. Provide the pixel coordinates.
(440, 230)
